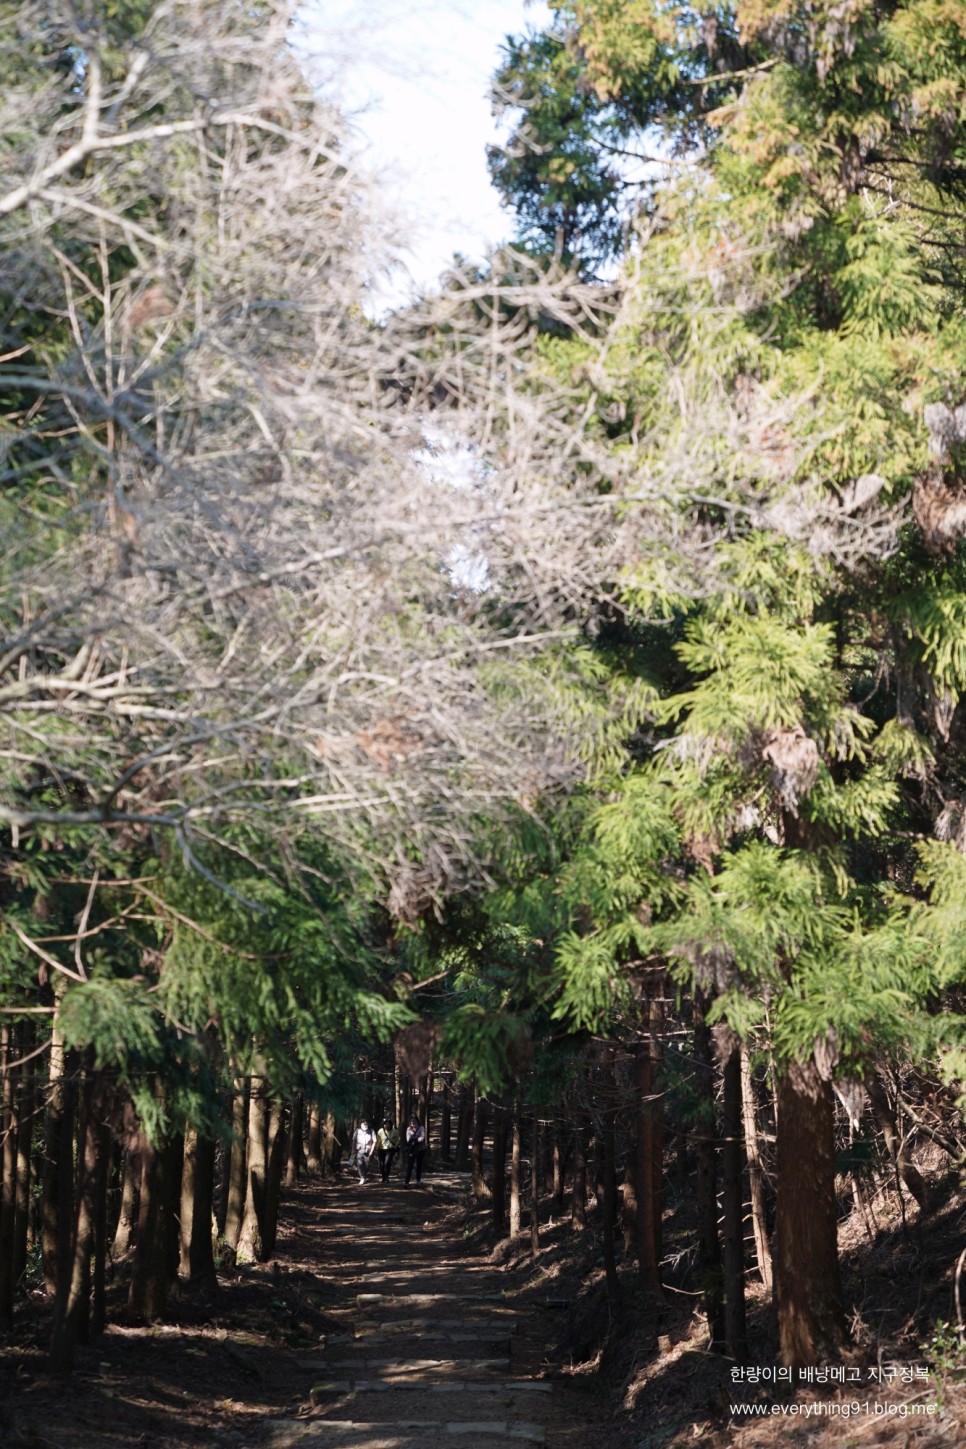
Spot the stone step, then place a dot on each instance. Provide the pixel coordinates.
(472, 1327)
(407, 1365)
(442, 1345)
(337, 1388)
(400, 1434)
(405, 1300)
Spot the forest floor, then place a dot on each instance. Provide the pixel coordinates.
(389, 1319)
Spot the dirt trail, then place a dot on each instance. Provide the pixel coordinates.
(376, 1327)
(428, 1350)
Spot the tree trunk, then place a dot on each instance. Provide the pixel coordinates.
(128, 1213)
(99, 1284)
(446, 1123)
(73, 1289)
(480, 1190)
(515, 1216)
(148, 1293)
(499, 1169)
(706, 1179)
(756, 1175)
(463, 1126)
(8, 1185)
(237, 1164)
(558, 1174)
(56, 1205)
(610, 1201)
(535, 1186)
(808, 1293)
(25, 1095)
(250, 1240)
(648, 1210)
(314, 1163)
(277, 1140)
(293, 1153)
(197, 1194)
(578, 1197)
(732, 1205)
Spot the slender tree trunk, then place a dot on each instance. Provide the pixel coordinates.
(515, 1215)
(499, 1169)
(25, 1102)
(535, 1186)
(250, 1241)
(446, 1122)
(463, 1125)
(148, 1293)
(558, 1173)
(58, 1133)
(197, 1194)
(8, 1185)
(71, 1306)
(293, 1154)
(732, 1202)
(237, 1175)
(706, 1179)
(277, 1140)
(314, 1163)
(648, 1231)
(808, 1292)
(99, 1283)
(756, 1175)
(480, 1190)
(128, 1212)
(610, 1200)
(578, 1198)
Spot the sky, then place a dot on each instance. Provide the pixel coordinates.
(414, 76)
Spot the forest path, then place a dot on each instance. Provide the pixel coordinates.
(429, 1350)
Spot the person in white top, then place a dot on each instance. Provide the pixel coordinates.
(363, 1146)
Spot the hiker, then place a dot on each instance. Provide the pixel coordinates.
(363, 1146)
(415, 1148)
(387, 1145)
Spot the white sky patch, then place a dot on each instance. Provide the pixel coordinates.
(414, 77)
(449, 462)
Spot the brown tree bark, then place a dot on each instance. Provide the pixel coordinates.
(578, 1197)
(293, 1149)
(25, 1104)
(464, 1122)
(535, 1186)
(499, 1168)
(148, 1293)
(610, 1200)
(808, 1292)
(732, 1205)
(99, 1256)
(197, 1259)
(250, 1239)
(72, 1302)
(481, 1191)
(706, 1179)
(648, 1202)
(237, 1166)
(56, 1205)
(277, 1141)
(8, 1173)
(314, 1162)
(130, 1193)
(756, 1173)
(515, 1214)
(446, 1121)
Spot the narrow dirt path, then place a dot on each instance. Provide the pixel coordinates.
(428, 1350)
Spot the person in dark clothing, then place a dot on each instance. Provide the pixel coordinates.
(415, 1148)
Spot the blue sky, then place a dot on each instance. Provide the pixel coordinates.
(414, 76)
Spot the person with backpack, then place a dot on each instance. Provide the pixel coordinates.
(363, 1146)
(415, 1148)
(387, 1145)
